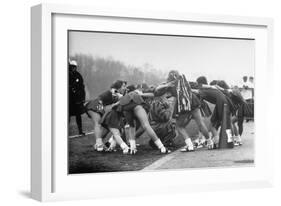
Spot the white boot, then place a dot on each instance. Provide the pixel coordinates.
(112, 144)
(124, 148)
(162, 148)
(99, 146)
(133, 147)
(188, 147)
(237, 140)
(210, 144)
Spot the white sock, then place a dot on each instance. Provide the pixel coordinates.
(112, 142)
(133, 144)
(99, 141)
(229, 135)
(216, 139)
(158, 143)
(189, 143)
(238, 138)
(123, 145)
(110, 139)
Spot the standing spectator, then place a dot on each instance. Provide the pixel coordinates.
(246, 91)
(251, 85)
(76, 93)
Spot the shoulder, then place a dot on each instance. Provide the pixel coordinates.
(106, 94)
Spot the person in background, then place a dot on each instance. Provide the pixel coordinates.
(245, 88)
(245, 80)
(247, 91)
(251, 85)
(251, 82)
(76, 95)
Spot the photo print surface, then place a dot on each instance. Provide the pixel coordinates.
(152, 102)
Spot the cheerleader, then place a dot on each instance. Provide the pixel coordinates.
(131, 106)
(184, 117)
(239, 106)
(96, 109)
(215, 95)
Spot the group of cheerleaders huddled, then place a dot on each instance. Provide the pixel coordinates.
(130, 111)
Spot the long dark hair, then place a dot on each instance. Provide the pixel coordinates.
(223, 84)
(173, 75)
(202, 80)
(220, 83)
(118, 84)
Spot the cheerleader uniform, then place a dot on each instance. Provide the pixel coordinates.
(183, 117)
(104, 99)
(216, 97)
(123, 113)
(127, 105)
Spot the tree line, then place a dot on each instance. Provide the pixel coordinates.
(99, 73)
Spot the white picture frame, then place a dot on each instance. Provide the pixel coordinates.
(49, 179)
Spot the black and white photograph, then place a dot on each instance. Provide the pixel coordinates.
(152, 102)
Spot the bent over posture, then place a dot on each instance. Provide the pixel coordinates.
(95, 109)
(131, 106)
(187, 107)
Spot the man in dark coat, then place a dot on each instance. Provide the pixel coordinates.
(76, 96)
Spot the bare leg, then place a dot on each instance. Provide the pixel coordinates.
(203, 129)
(237, 137)
(95, 117)
(119, 140)
(143, 119)
(214, 131)
(200, 122)
(235, 129)
(182, 131)
(132, 140)
(240, 125)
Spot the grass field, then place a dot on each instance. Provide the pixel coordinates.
(83, 158)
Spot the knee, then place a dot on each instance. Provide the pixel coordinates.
(145, 126)
(96, 124)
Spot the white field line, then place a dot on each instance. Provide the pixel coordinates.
(162, 160)
(78, 135)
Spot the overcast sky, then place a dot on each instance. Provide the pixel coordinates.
(215, 58)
